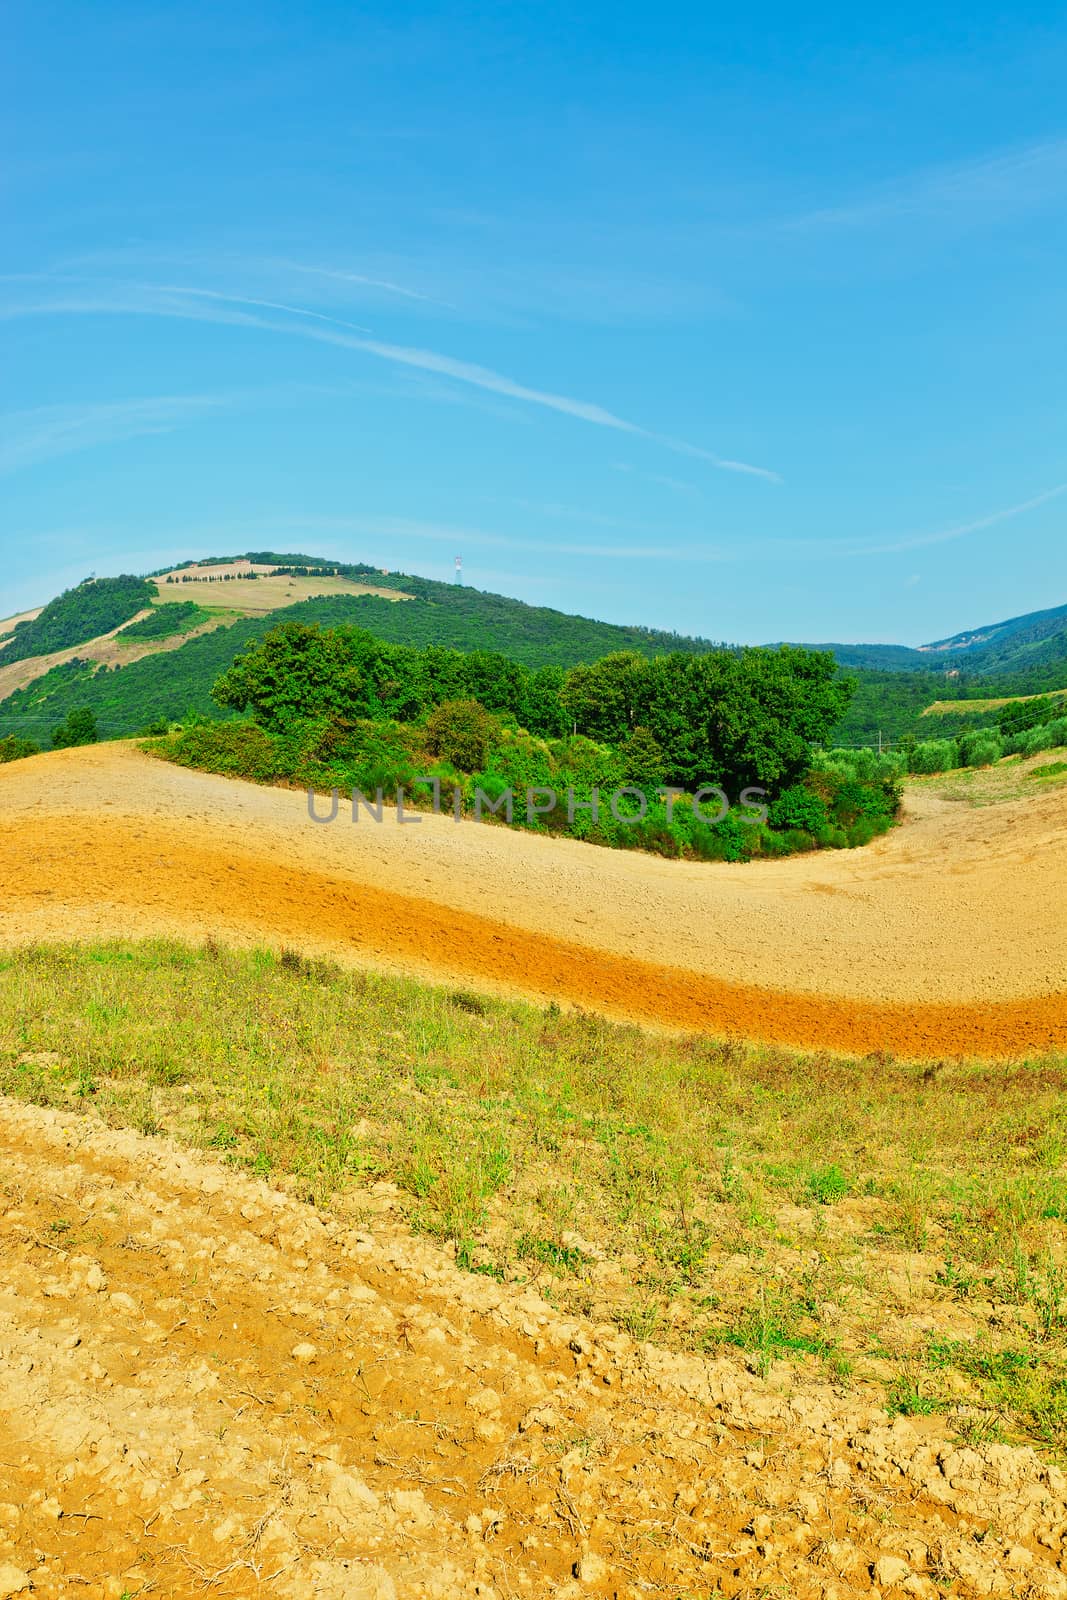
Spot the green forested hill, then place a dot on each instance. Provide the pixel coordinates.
(1033, 646)
(96, 606)
(1023, 655)
(125, 699)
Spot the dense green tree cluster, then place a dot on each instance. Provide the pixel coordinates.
(1022, 715)
(300, 670)
(738, 717)
(96, 606)
(750, 716)
(164, 621)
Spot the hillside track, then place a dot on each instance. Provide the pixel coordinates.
(945, 938)
(208, 1386)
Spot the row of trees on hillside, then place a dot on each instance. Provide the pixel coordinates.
(729, 716)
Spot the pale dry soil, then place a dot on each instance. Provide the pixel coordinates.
(207, 1386)
(945, 937)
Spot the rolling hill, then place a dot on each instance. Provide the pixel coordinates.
(138, 649)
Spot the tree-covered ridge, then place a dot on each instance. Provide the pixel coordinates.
(95, 606)
(887, 703)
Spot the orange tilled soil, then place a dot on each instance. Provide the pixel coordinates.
(946, 938)
(207, 1387)
(92, 862)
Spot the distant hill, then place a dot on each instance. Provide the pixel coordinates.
(1035, 643)
(243, 596)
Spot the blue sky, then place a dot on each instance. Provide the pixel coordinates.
(750, 328)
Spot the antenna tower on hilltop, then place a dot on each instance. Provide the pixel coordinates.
(459, 569)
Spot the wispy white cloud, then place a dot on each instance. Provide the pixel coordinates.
(246, 300)
(177, 300)
(361, 280)
(959, 530)
(984, 190)
(28, 437)
(395, 541)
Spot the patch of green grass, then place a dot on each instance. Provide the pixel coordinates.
(1051, 769)
(561, 1257)
(826, 1185)
(812, 1209)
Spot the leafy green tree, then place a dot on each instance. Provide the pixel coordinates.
(296, 672)
(78, 728)
(741, 717)
(603, 699)
(642, 759)
(542, 710)
(798, 807)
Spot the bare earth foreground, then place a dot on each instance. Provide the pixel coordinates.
(207, 1387)
(947, 937)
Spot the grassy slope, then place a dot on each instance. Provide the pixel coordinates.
(885, 1223)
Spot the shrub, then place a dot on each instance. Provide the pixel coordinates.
(980, 748)
(864, 829)
(727, 840)
(462, 732)
(236, 749)
(642, 759)
(798, 807)
(657, 838)
(1035, 740)
(933, 755)
(15, 748)
(78, 728)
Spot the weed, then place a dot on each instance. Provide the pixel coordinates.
(826, 1185)
(906, 1398)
